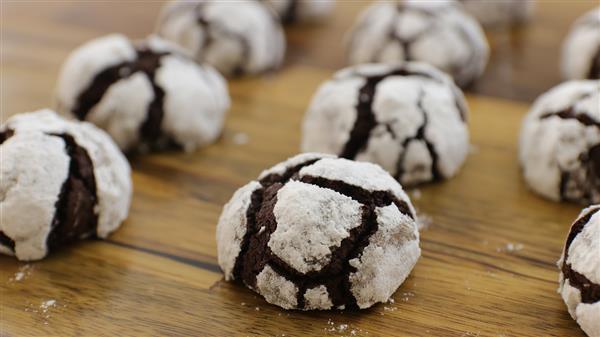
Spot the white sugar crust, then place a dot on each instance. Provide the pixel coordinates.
(195, 104)
(300, 159)
(112, 172)
(276, 289)
(317, 298)
(232, 227)
(86, 61)
(386, 262)
(331, 116)
(311, 223)
(442, 34)
(34, 168)
(551, 145)
(583, 258)
(250, 21)
(580, 46)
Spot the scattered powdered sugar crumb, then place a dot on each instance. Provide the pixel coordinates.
(46, 305)
(257, 308)
(424, 221)
(510, 247)
(243, 304)
(343, 329)
(391, 300)
(240, 138)
(406, 296)
(416, 194)
(21, 274)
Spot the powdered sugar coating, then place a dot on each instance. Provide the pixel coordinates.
(385, 264)
(232, 227)
(583, 258)
(497, 14)
(233, 36)
(27, 202)
(311, 221)
(438, 33)
(110, 168)
(581, 48)
(192, 100)
(559, 141)
(419, 133)
(291, 11)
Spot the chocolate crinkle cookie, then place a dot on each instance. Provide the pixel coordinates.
(579, 282)
(439, 33)
(409, 118)
(236, 37)
(318, 232)
(499, 14)
(581, 49)
(560, 143)
(60, 181)
(146, 95)
(292, 11)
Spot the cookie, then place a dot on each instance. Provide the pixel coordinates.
(236, 37)
(409, 118)
(60, 181)
(439, 33)
(560, 143)
(579, 282)
(581, 49)
(500, 14)
(317, 232)
(293, 11)
(146, 95)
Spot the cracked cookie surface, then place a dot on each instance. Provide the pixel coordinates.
(146, 95)
(560, 143)
(318, 232)
(411, 119)
(293, 11)
(581, 48)
(438, 33)
(579, 283)
(60, 181)
(237, 38)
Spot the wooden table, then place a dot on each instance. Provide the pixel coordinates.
(488, 264)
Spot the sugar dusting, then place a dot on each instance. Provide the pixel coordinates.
(510, 247)
(343, 329)
(22, 273)
(45, 309)
(240, 138)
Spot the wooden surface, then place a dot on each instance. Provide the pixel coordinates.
(488, 264)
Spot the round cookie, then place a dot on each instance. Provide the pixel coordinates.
(409, 118)
(439, 33)
(60, 181)
(147, 95)
(292, 11)
(317, 232)
(560, 143)
(236, 37)
(579, 282)
(494, 14)
(581, 49)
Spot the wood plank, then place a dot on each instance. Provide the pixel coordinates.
(158, 274)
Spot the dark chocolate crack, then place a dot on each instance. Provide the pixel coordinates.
(365, 117)
(6, 134)
(212, 29)
(590, 292)
(75, 217)
(146, 62)
(255, 254)
(291, 12)
(420, 136)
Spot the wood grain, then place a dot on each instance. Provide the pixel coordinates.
(158, 274)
